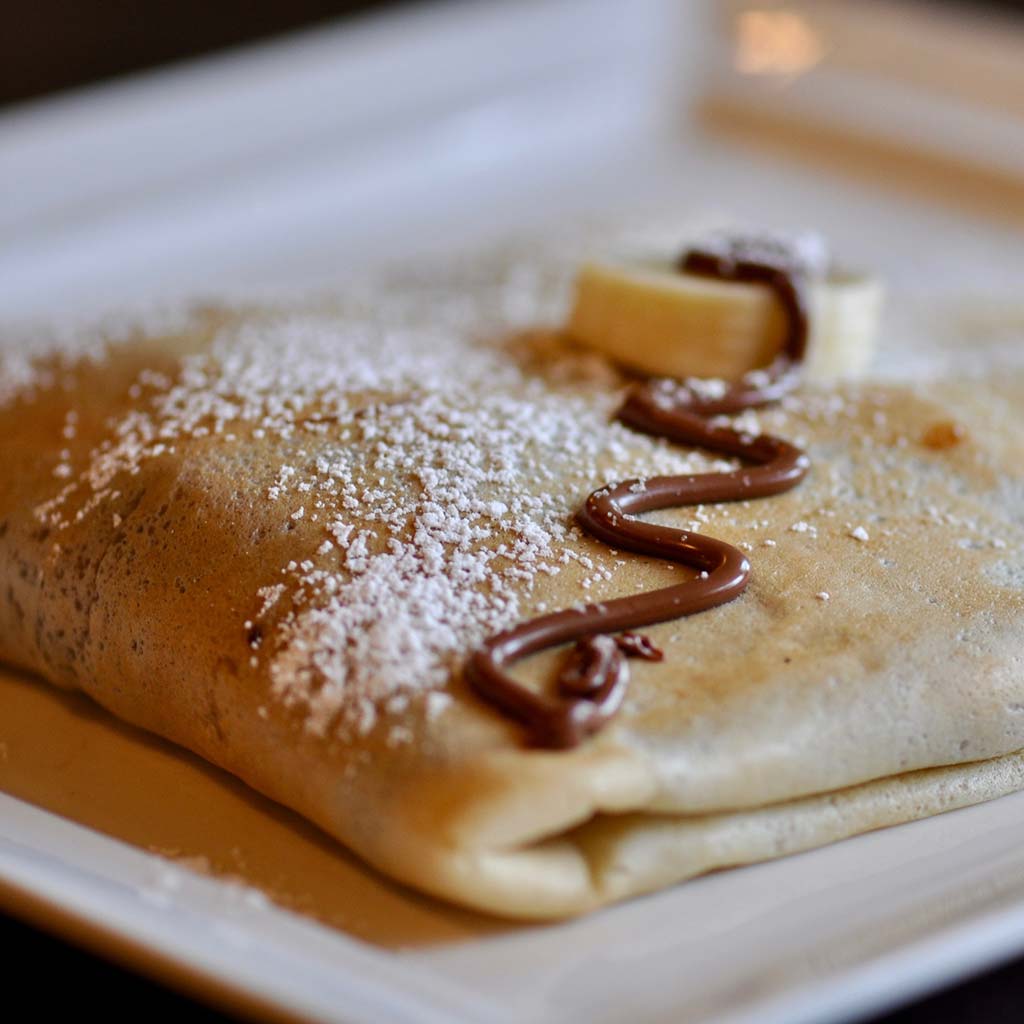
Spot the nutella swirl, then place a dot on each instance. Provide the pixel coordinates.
(591, 685)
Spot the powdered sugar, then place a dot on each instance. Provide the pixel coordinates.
(33, 356)
(434, 460)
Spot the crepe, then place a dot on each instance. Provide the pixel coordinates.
(273, 537)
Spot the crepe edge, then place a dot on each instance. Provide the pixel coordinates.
(613, 856)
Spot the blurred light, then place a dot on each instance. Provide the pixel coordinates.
(775, 43)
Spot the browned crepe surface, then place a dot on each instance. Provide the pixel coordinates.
(308, 635)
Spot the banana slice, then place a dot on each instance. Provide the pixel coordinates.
(652, 318)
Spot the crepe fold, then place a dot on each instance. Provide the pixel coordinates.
(171, 544)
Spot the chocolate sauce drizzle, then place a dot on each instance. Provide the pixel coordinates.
(591, 685)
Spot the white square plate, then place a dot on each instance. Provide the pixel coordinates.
(294, 165)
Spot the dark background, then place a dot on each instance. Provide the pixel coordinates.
(49, 45)
(46, 45)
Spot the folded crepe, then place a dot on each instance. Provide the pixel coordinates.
(274, 538)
